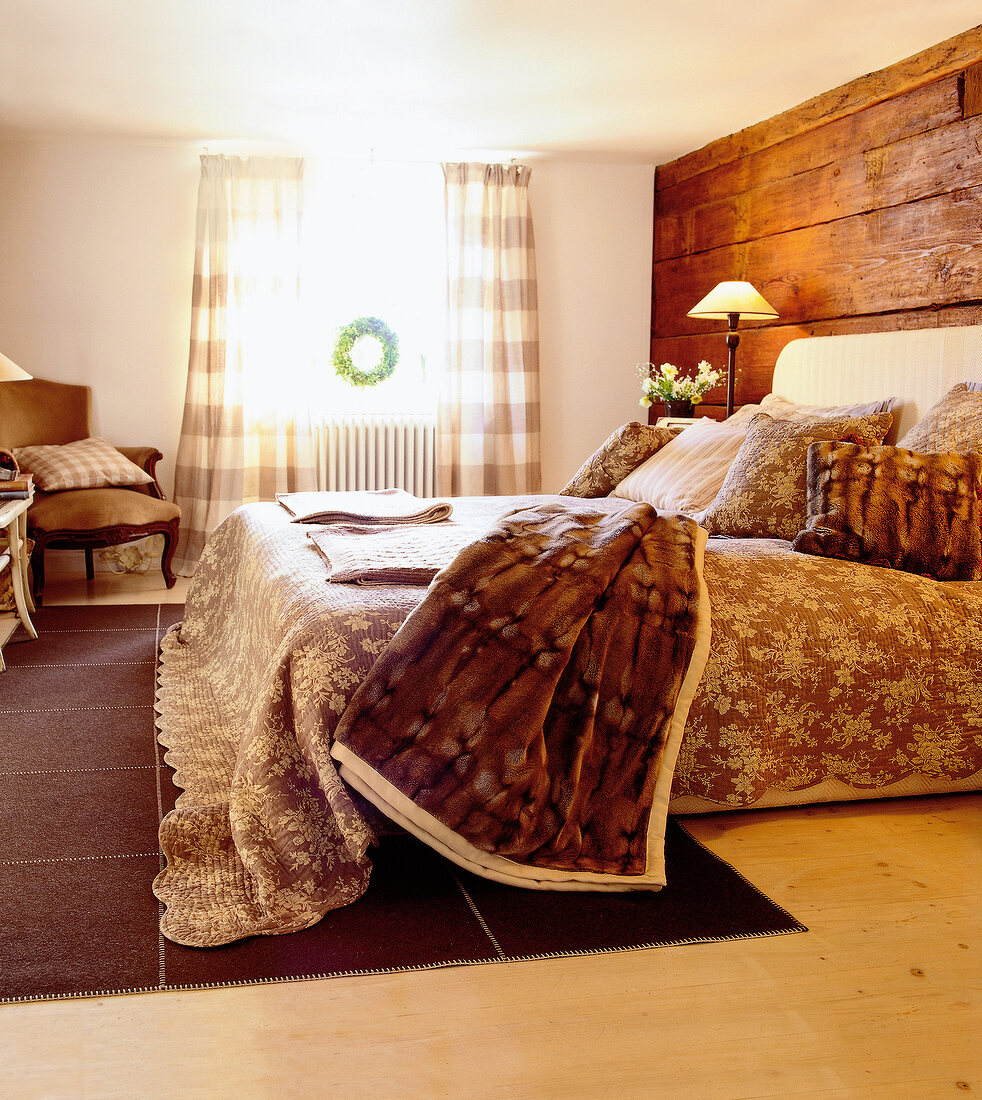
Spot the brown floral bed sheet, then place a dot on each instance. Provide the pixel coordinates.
(825, 679)
(829, 679)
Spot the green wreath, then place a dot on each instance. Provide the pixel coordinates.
(366, 326)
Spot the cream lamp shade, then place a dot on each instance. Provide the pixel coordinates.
(9, 371)
(729, 302)
(733, 297)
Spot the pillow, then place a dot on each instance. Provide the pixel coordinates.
(743, 414)
(626, 448)
(686, 474)
(783, 409)
(952, 424)
(85, 464)
(891, 506)
(765, 492)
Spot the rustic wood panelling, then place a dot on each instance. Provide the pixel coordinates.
(954, 55)
(872, 178)
(795, 173)
(918, 255)
(858, 211)
(972, 91)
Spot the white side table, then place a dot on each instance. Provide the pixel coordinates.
(13, 520)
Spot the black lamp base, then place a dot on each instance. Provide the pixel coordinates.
(732, 340)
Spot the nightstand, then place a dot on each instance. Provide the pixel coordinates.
(13, 521)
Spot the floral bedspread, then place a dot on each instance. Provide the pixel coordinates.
(819, 670)
(825, 670)
(265, 838)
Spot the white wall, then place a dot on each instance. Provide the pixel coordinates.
(96, 258)
(97, 254)
(593, 227)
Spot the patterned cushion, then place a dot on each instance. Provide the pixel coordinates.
(686, 474)
(626, 448)
(765, 492)
(85, 464)
(891, 506)
(953, 424)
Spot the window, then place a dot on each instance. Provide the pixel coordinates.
(373, 239)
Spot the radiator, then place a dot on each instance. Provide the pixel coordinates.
(377, 452)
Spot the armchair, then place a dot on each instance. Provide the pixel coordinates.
(41, 412)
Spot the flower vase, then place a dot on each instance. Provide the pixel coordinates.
(678, 409)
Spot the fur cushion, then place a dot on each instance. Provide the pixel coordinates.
(893, 507)
(85, 464)
(765, 492)
(953, 424)
(618, 455)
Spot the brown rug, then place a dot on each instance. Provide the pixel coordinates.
(83, 787)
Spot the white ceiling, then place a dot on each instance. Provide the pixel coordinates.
(632, 80)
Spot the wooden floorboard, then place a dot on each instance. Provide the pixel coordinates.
(882, 998)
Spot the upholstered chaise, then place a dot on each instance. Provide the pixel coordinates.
(39, 412)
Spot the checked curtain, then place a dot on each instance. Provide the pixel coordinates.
(488, 418)
(247, 431)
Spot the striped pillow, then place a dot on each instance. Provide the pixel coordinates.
(686, 474)
(85, 464)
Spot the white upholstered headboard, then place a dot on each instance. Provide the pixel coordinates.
(917, 365)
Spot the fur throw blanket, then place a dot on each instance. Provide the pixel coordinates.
(526, 717)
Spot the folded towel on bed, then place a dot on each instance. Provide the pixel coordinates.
(393, 554)
(370, 506)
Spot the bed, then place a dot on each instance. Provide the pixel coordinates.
(824, 679)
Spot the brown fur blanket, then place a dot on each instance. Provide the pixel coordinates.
(526, 717)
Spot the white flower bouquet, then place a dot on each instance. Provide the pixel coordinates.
(665, 383)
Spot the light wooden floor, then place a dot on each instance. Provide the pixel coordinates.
(881, 998)
(65, 583)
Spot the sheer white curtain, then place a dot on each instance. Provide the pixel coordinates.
(247, 430)
(488, 420)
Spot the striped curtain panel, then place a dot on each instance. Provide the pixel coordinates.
(247, 431)
(488, 419)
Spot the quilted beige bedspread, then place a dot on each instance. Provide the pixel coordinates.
(265, 838)
(820, 672)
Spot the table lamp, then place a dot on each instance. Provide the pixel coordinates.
(729, 302)
(10, 372)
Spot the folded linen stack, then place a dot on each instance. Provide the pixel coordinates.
(371, 506)
(404, 554)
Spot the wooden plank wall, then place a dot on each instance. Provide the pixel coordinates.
(857, 211)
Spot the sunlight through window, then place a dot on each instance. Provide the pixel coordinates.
(373, 239)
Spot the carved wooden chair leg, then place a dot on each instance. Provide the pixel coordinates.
(167, 555)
